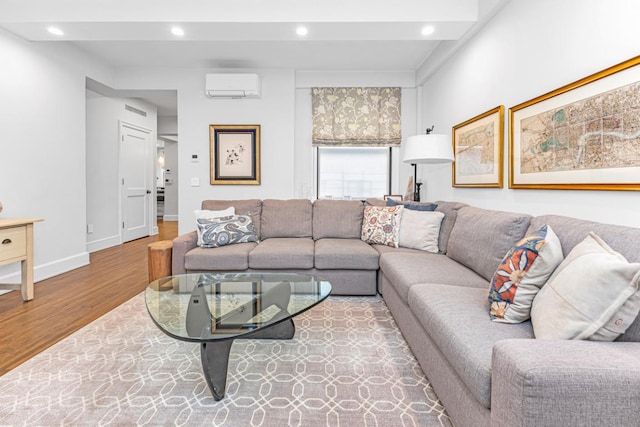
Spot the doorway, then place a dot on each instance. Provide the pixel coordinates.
(135, 208)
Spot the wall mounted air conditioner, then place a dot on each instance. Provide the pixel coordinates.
(232, 85)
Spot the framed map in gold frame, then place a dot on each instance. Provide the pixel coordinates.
(582, 136)
(234, 154)
(478, 148)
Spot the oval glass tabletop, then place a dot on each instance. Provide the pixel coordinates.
(203, 307)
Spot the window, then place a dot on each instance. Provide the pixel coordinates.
(353, 172)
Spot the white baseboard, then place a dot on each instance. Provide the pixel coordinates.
(98, 245)
(50, 269)
(170, 217)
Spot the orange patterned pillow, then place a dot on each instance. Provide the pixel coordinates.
(381, 225)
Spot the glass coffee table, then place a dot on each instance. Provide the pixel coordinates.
(215, 309)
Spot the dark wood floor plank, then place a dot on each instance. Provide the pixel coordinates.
(67, 302)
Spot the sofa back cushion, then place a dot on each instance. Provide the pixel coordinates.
(480, 238)
(286, 218)
(624, 240)
(338, 219)
(450, 211)
(251, 207)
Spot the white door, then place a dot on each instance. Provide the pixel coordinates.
(134, 180)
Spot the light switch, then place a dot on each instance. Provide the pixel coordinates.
(195, 182)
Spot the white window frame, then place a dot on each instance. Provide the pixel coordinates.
(316, 171)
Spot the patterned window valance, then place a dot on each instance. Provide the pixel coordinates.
(356, 116)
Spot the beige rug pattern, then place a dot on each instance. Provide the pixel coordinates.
(347, 365)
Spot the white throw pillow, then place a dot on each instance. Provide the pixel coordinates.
(420, 230)
(205, 214)
(593, 294)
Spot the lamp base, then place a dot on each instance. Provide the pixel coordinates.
(416, 195)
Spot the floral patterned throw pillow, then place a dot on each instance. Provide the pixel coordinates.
(523, 271)
(381, 225)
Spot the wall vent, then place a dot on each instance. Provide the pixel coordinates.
(135, 110)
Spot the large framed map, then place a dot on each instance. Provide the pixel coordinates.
(478, 147)
(582, 136)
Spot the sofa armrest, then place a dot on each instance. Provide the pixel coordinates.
(182, 245)
(565, 383)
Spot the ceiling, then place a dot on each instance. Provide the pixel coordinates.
(372, 35)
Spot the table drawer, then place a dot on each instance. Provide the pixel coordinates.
(13, 243)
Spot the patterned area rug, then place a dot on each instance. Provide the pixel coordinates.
(347, 365)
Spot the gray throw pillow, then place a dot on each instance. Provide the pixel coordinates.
(424, 207)
(216, 232)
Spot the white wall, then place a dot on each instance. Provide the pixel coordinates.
(171, 188)
(530, 48)
(274, 112)
(42, 149)
(103, 115)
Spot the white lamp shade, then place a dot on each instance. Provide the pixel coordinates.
(428, 148)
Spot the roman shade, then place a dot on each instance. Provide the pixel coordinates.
(356, 116)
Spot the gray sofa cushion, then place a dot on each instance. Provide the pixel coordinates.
(457, 320)
(404, 270)
(480, 238)
(383, 249)
(253, 207)
(572, 231)
(450, 211)
(340, 219)
(230, 257)
(286, 218)
(348, 254)
(285, 252)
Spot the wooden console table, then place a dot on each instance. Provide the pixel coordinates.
(16, 244)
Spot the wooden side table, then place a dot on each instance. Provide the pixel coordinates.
(16, 245)
(159, 256)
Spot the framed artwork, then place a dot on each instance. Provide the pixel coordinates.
(582, 136)
(478, 147)
(235, 154)
(395, 197)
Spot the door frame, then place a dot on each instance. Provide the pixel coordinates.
(151, 208)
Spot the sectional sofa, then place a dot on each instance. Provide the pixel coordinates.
(486, 373)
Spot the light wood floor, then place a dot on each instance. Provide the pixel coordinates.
(65, 303)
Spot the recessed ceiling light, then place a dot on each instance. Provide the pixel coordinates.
(177, 31)
(55, 31)
(429, 29)
(302, 31)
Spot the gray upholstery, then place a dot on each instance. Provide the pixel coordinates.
(253, 207)
(481, 238)
(383, 249)
(461, 405)
(340, 219)
(565, 383)
(347, 254)
(484, 372)
(407, 269)
(230, 257)
(286, 218)
(450, 211)
(181, 245)
(282, 252)
(572, 231)
(442, 310)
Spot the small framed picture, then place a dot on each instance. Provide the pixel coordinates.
(235, 154)
(478, 146)
(394, 197)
